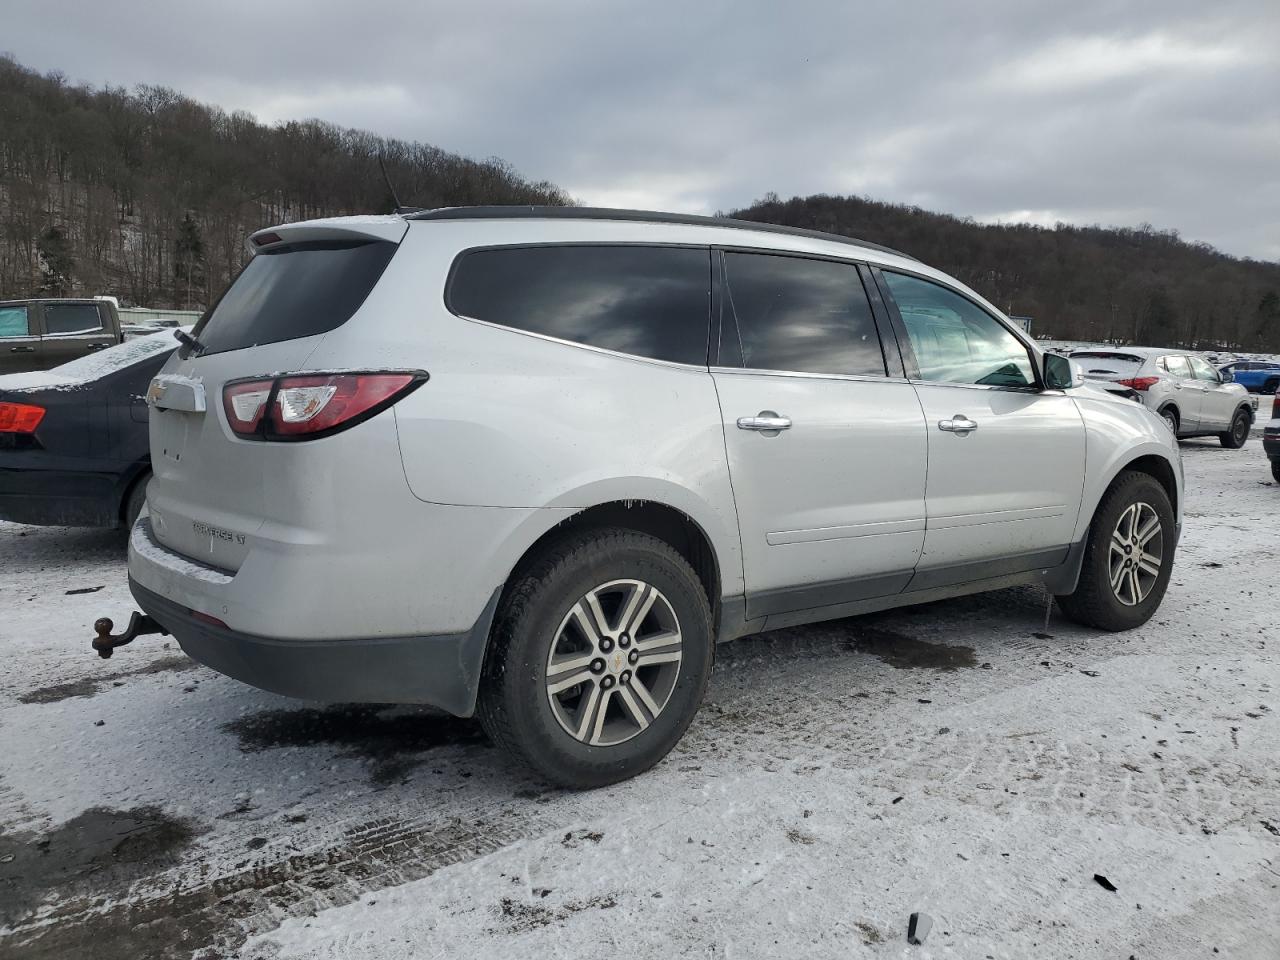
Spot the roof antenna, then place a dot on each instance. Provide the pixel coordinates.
(396, 200)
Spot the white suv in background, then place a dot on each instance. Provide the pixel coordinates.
(1193, 398)
(532, 463)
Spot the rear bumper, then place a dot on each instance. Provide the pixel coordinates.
(1271, 442)
(59, 498)
(441, 670)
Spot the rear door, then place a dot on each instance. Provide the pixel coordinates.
(19, 338)
(826, 450)
(1006, 459)
(1218, 400)
(1188, 393)
(73, 330)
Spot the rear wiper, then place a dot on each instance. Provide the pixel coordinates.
(190, 343)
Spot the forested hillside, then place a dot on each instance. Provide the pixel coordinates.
(148, 195)
(1087, 283)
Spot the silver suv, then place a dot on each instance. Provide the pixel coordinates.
(532, 463)
(1194, 399)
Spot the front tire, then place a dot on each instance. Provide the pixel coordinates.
(1235, 438)
(1271, 386)
(1128, 557)
(601, 653)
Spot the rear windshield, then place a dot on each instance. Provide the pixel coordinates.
(294, 291)
(1100, 363)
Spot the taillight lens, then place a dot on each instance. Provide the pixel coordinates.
(20, 417)
(1275, 407)
(245, 403)
(307, 406)
(1139, 383)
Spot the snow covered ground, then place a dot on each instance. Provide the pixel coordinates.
(963, 759)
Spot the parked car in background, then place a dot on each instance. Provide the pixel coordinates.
(1256, 376)
(40, 334)
(1271, 438)
(532, 463)
(73, 440)
(1185, 389)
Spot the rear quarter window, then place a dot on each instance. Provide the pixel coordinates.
(652, 302)
(295, 291)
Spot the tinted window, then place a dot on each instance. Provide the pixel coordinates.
(955, 340)
(65, 318)
(295, 291)
(810, 316)
(13, 322)
(1203, 370)
(1177, 366)
(647, 301)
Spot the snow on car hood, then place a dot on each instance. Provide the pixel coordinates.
(95, 366)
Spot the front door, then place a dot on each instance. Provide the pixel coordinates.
(1218, 401)
(19, 339)
(826, 452)
(1006, 459)
(71, 331)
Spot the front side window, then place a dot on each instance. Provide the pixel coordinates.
(650, 302)
(794, 314)
(63, 319)
(955, 340)
(1203, 370)
(14, 323)
(1177, 366)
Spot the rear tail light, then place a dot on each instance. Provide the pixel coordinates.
(20, 417)
(1275, 407)
(312, 405)
(1139, 383)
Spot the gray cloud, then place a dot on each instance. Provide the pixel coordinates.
(1118, 113)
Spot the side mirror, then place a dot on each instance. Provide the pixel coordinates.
(1227, 376)
(1061, 373)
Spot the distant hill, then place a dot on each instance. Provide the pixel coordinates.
(1086, 283)
(149, 195)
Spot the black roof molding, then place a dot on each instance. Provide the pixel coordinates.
(641, 216)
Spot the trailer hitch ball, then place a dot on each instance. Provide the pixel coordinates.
(140, 624)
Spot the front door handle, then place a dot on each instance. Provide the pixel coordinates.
(22, 349)
(766, 422)
(958, 424)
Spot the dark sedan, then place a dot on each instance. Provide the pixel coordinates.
(73, 440)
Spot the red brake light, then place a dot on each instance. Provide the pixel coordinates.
(1140, 383)
(1275, 407)
(306, 406)
(244, 403)
(20, 417)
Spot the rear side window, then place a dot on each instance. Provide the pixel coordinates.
(68, 318)
(794, 314)
(300, 290)
(13, 322)
(1177, 366)
(651, 302)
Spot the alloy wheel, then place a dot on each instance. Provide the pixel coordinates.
(614, 662)
(1136, 553)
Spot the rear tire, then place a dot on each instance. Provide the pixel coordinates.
(548, 630)
(1275, 470)
(1117, 589)
(1171, 418)
(1235, 438)
(136, 500)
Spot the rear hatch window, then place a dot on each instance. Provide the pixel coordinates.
(1108, 366)
(298, 290)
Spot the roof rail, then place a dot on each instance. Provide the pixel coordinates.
(643, 216)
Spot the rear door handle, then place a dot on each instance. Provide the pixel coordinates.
(766, 421)
(22, 349)
(95, 346)
(958, 424)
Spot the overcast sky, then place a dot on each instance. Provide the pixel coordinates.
(1083, 111)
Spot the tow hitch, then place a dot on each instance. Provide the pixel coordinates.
(139, 626)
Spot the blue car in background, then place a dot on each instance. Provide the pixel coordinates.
(1256, 376)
